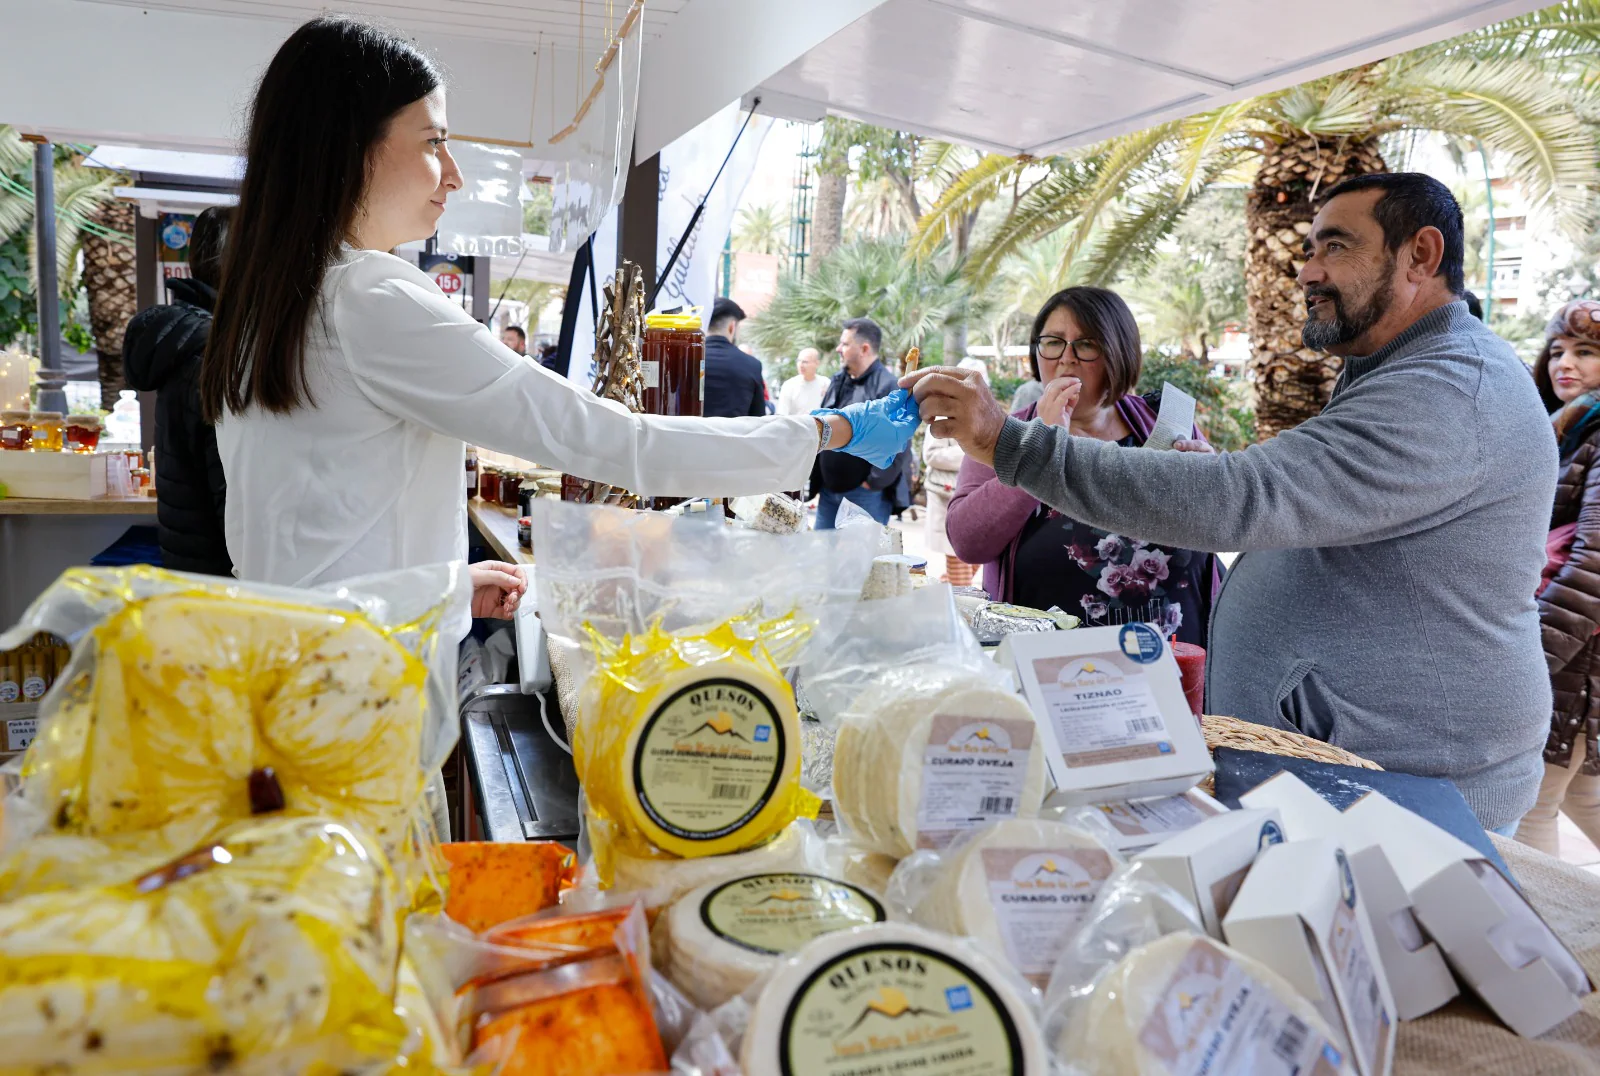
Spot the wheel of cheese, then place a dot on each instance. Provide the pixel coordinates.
(1167, 1005)
(670, 878)
(724, 936)
(1020, 888)
(892, 998)
(879, 757)
(712, 764)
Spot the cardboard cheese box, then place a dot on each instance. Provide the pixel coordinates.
(1112, 714)
(1208, 862)
(1483, 924)
(1415, 968)
(1300, 913)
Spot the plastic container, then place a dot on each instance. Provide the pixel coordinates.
(48, 430)
(16, 431)
(82, 433)
(122, 426)
(1192, 669)
(674, 364)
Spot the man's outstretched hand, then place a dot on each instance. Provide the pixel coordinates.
(957, 403)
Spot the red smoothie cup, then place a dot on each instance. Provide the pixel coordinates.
(1192, 669)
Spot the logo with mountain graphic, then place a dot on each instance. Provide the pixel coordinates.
(1089, 672)
(891, 1005)
(1062, 872)
(986, 737)
(719, 726)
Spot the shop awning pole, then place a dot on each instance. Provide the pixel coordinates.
(44, 215)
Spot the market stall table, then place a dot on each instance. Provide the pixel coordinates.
(40, 538)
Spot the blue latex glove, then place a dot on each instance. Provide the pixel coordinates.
(881, 428)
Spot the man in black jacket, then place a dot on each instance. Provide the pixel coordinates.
(161, 353)
(734, 385)
(837, 477)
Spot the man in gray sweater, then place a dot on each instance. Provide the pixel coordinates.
(1392, 544)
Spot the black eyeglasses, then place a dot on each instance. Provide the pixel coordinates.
(1084, 349)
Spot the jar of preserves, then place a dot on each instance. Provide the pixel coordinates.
(525, 533)
(16, 431)
(472, 473)
(489, 485)
(510, 488)
(526, 492)
(674, 364)
(82, 433)
(48, 430)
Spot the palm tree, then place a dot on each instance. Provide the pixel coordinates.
(761, 229)
(1505, 87)
(910, 301)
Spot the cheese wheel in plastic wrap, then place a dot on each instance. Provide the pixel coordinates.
(272, 949)
(724, 936)
(892, 998)
(666, 878)
(1184, 1004)
(1020, 887)
(931, 752)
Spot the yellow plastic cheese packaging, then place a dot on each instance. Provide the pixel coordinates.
(689, 742)
(191, 705)
(272, 948)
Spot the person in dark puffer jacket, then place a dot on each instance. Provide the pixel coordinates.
(161, 353)
(1568, 375)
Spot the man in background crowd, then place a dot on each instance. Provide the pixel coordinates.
(161, 353)
(837, 478)
(802, 393)
(734, 385)
(514, 338)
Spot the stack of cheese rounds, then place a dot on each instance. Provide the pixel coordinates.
(892, 998)
(668, 878)
(723, 936)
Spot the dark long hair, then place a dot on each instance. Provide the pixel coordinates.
(325, 101)
(1103, 315)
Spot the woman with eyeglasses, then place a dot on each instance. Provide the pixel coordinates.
(1085, 350)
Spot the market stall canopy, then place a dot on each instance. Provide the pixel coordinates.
(1039, 76)
(179, 73)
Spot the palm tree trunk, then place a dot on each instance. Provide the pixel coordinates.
(827, 222)
(1292, 382)
(109, 277)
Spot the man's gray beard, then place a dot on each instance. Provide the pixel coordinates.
(1322, 335)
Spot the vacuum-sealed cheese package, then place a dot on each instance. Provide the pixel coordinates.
(192, 703)
(933, 739)
(272, 948)
(687, 740)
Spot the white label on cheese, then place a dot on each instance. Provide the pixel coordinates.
(1215, 1018)
(972, 772)
(1369, 1022)
(20, 732)
(33, 688)
(10, 691)
(650, 373)
(1102, 709)
(1169, 814)
(1039, 898)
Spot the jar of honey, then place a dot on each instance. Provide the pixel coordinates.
(48, 430)
(510, 488)
(16, 431)
(83, 433)
(674, 364)
(489, 485)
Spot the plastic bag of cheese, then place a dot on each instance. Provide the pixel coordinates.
(1021, 887)
(687, 741)
(1141, 991)
(192, 703)
(933, 739)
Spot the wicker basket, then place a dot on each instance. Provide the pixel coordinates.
(1248, 736)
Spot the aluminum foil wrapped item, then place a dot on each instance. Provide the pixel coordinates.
(816, 756)
(271, 949)
(994, 621)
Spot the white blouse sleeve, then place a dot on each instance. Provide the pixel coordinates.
(421, 357)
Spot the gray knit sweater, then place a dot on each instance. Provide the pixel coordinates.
(1392, 548)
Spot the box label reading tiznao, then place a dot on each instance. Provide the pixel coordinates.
(1102, 708)
(972, 772)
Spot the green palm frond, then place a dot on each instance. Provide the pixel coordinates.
(1202, 137)
(1566, 31)
(1128, 163)
(1513, 109)
(1336, 107)
(1127, 241)
(1055, 201)
(15, 154)
(968, 190)
(80, 194)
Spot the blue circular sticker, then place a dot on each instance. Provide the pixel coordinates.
(1271, 833)
(1140, 642)
(1347, 880)
(176, 234)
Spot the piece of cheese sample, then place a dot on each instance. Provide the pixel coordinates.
(1020, 887)
(493, 882)
(892, 998)
(934, 753)
(724, 936)
(1184, 1004)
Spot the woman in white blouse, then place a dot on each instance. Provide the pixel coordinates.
(345, 384)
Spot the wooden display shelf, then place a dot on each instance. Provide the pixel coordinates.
(99, 506)
(499, 528)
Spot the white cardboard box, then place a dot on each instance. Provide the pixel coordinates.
(1485, 927)
(1113, 718)
(69, 476)
(1418, 975)
(1208, 862)
(1131, 826)
(1300, 913)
